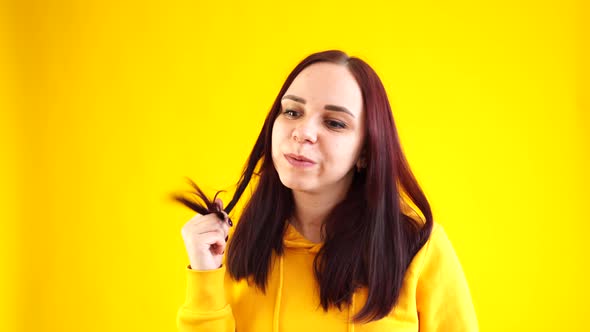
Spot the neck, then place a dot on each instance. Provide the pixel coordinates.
(311, 210)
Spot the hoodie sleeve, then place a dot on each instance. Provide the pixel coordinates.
(443, 299)
(205, 308)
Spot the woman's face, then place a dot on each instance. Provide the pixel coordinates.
(318, 136)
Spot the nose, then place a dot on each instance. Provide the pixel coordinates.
(304, 131)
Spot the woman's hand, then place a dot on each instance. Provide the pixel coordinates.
(205, 239)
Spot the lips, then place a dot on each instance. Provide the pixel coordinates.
(299, 161)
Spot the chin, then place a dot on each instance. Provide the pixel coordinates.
(296, 183)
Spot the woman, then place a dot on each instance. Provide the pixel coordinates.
(329, 240)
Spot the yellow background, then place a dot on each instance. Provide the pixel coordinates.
(105, 106)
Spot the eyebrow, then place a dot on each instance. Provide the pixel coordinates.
(326, 107)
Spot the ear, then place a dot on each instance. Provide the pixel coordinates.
(362, 162)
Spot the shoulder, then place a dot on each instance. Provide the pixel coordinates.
(438, 240)
(442, 294)
(437, 254)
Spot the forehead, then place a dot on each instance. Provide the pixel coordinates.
(327, 83)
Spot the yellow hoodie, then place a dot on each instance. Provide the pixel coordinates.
(434, 296)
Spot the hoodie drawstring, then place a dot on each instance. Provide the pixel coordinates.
(275, 323)
(350, 313)
(294, 240)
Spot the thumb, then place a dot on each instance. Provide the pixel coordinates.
(219, 203)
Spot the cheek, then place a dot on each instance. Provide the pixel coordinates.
(276, 137)
(344, 152)
(273, 140)
(280, 129)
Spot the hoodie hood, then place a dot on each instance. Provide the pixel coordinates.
(294, 240)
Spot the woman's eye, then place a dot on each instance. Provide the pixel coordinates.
(290, 113)
(335, 124)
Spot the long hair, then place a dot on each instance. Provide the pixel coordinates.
(369, 220)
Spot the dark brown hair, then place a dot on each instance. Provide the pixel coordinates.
(369, 220)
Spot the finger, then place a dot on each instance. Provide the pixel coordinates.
(226, 217)
(201, 219)
(208, 225)
(212, 221)
(213, 241)
(219, 203)
(195, 218)
(217, 249)
(212, 237)
(221, 247)
(222, 229)
(225, 227)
